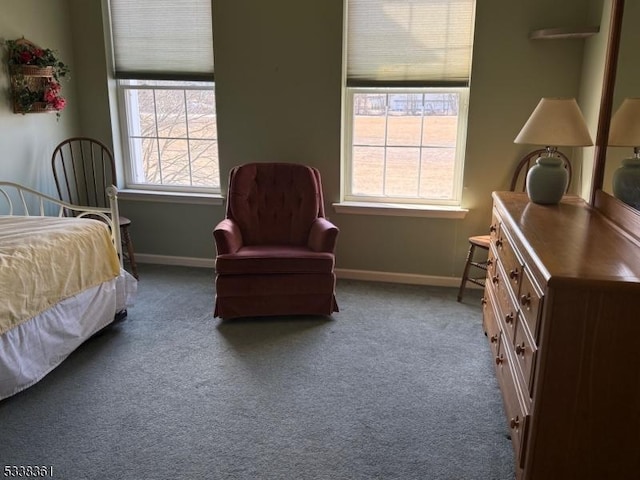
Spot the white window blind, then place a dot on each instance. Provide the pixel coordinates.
(422, 42)
(168, 39)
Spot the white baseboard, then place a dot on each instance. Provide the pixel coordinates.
(346, 273)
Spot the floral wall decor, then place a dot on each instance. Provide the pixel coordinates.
(36, 74)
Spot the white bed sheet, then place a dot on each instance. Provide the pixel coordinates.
(32, 349)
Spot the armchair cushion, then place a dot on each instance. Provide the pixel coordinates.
(271, 259)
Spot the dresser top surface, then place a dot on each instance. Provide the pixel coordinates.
(571, 241)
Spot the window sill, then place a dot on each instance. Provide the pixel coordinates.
(400, 210)
(170, 197)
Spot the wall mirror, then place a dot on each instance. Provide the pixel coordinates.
(625, 216)
(620, 82)
(626, 87)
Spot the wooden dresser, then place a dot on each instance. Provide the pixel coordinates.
(562, 315)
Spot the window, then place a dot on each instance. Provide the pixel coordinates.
(404, 144)
(172, 135)
(408, 68)
(163, 62)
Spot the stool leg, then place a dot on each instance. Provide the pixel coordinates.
(126, 240)
(465, 273)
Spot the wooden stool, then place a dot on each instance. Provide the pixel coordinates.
(482, 242)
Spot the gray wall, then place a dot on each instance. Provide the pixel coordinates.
(27, 141)
(269, 57)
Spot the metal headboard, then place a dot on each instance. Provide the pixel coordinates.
(15, 197)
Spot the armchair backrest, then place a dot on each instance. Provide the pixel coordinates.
(274, 203)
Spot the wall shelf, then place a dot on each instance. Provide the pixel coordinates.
(563, 33)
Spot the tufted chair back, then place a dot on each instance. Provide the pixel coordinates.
(274, 203)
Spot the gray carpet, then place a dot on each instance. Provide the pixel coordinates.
(398, 385)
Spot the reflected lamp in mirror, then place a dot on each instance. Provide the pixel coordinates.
(555, 122)
(625, 132)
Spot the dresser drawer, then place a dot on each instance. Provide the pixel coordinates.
(510, 261)
(507, 310)
(490, 322)
(515, 409)
(530, 301)
(525, 354)
(494, 228)
(491, 263)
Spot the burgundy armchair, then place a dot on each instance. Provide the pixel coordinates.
(275, 249)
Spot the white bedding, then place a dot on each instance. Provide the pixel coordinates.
(46, 259)
(61, 281)
(35, 347)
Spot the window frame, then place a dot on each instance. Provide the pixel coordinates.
(460, 147)
(124, 121)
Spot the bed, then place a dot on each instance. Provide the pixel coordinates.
(61, 281)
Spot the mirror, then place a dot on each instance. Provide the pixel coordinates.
(618, 212)
(625, 86)
(620, 82)
(606, 100)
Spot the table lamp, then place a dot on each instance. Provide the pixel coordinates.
(625, 132)
(555, 122)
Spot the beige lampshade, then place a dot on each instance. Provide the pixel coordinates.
(556, 122)
(625, 124)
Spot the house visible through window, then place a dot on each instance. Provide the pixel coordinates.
(408, 68)
(163, 61)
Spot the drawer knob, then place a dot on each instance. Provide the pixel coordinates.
(525, 300)
(489, 262)
(520, 349)
(499, 242)
(483, 301)
(494, 338)
(495, 279)
(509, 318)
(493, 229)
(514, 274)
(499, 359)
(515, 423)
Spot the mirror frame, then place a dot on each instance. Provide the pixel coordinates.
(606, 100)
(621, 214)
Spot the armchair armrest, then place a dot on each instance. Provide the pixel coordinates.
(323, 235)
(227, 237)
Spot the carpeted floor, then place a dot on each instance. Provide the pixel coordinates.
(398, 385)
